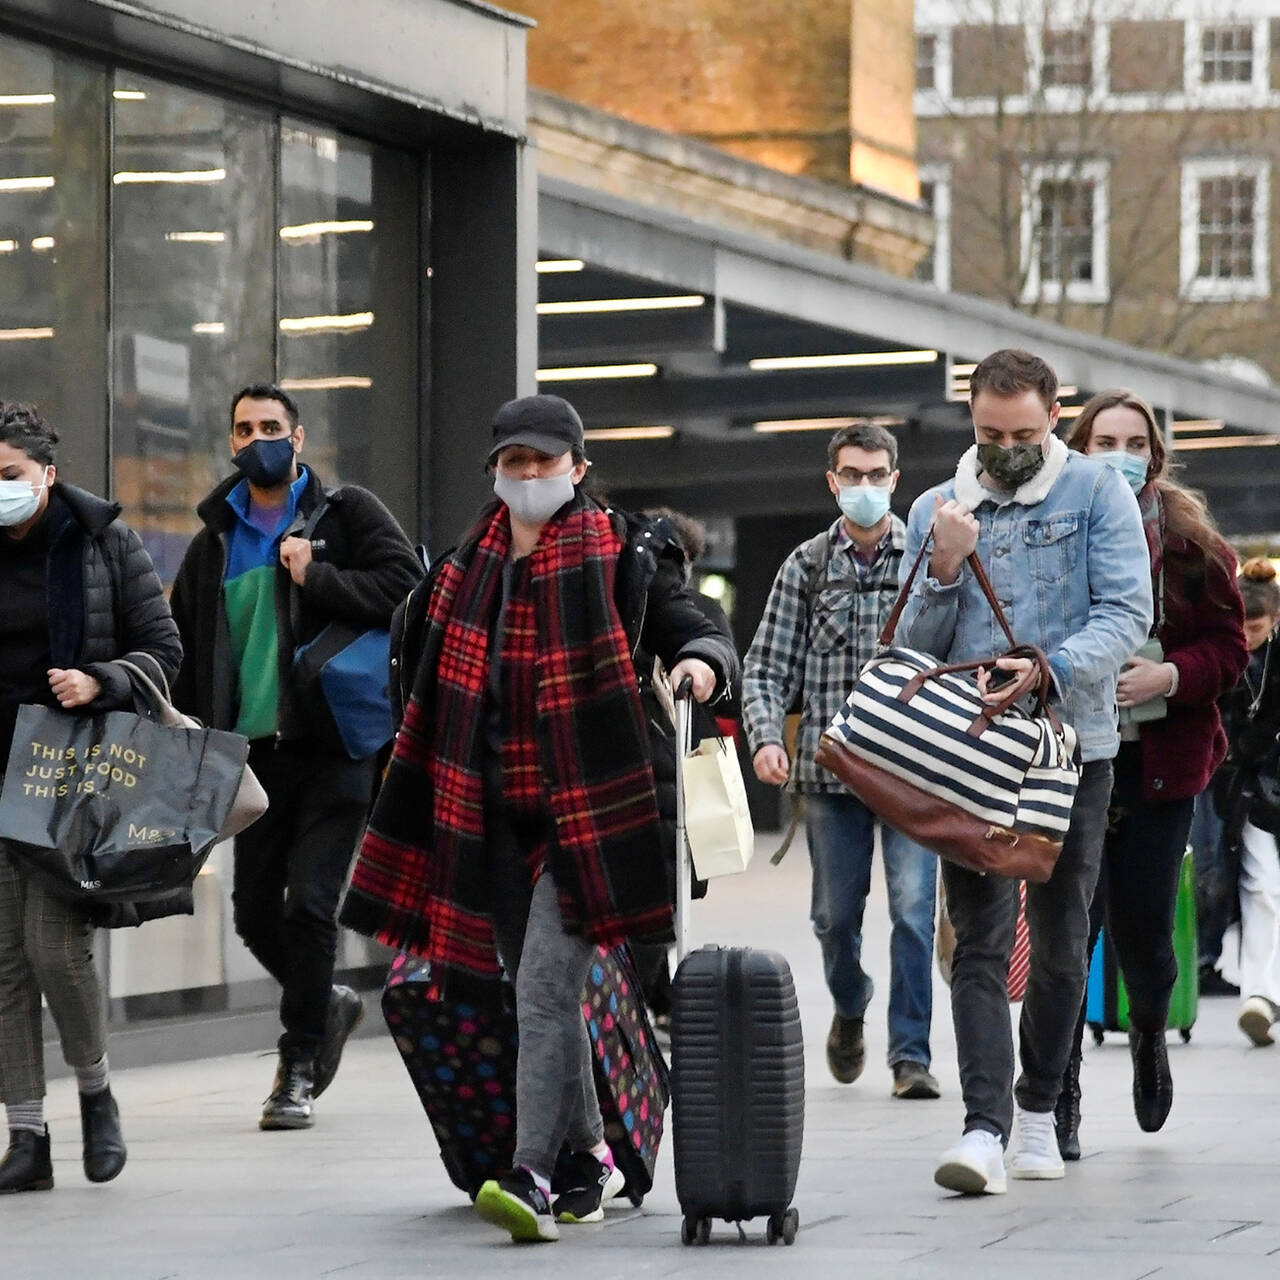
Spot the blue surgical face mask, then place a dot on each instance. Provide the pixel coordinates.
(864, 504)
(20, 500)
(1130, 465)
(266, 463)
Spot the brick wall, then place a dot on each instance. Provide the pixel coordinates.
(767, 79)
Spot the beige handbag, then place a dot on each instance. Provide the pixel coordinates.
(251, 797)
(717, 819)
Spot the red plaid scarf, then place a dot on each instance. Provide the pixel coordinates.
(421, 878)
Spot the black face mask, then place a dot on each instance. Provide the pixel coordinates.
(266, 463)
(1012, 467)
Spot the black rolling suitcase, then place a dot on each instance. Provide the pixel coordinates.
(737, 1074)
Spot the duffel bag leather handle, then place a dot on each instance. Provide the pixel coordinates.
(1036, 678)
(980, 575)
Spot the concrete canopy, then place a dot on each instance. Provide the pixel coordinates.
(764, 298)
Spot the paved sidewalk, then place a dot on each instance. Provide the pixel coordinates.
(206, 1196)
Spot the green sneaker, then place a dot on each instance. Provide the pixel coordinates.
(517, 1204)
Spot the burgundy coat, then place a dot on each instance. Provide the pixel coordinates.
(1202, 631)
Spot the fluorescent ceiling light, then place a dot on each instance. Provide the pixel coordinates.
(8, 246)
(25, 335)
(128, 95)
(559, 266)
(327, 324)
(1069, 411)
(963, 370)
(26, 184)
(849, 360)
(27, 99)
(630, 433)
(1199, 424)
(313, 230)
(1068, 391)
(214, 327)
(587, 372)
(42, 244)
(129, 177)
(195, 237)
(1227, 442)
(597, 306)
(337, 382)
(779, 426)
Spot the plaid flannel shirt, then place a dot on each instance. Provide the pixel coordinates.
(816, 659)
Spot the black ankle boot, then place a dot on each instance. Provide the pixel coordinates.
(289, 1106)
(1066, 1115)
(27, 1165)
(1152, 1082)
(104, 1149)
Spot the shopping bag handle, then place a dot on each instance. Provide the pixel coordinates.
(980, 576)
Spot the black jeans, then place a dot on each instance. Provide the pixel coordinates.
(290, 869)
(1138, 889)
(984, 911)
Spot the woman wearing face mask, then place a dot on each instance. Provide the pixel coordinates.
(80, 591)
(518, 818)
(1171, 740)
(1253, 723)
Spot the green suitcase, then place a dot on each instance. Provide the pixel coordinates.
(1107, 1002)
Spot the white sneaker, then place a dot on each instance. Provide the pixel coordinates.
(974, 1165)
(1257, 1014)
(1033, 1149)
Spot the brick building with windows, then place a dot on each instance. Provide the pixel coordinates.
(1108, 166)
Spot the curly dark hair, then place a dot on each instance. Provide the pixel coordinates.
(1011, 371)
(22, 427)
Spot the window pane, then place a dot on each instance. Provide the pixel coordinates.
(1067, 58)
(52, 248)
(1226, 228)
(1066, 231)
(348, 300)
(927, 267)
(926, 56)
(1227, 54)
(192, 196)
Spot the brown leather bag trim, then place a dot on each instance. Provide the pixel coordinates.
(938, 824)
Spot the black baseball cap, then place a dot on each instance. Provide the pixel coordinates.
(546, 423)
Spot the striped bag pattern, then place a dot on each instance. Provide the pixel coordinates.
(1018, 774)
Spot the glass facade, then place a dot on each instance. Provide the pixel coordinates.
(160, 247)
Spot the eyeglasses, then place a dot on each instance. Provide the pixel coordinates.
(851, 475)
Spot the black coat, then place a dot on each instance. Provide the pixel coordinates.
(106, 603)
(363, 567)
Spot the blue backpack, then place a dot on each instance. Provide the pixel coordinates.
(343, 676)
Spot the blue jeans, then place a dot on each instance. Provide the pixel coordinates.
(841, 832)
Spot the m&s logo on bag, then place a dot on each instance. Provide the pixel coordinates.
(54, 772)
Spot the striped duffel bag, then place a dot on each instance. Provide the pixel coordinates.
(989, 787)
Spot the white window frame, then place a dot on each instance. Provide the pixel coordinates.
(1197, 287)
(1253, 91)
(930, 101)
(940, 176)
(1067, 97)
(1095, 290)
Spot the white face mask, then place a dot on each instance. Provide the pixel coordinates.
(534, 501)
(20, 500)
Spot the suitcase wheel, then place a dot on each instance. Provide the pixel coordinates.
(1185, 1033)
(1096, 1028)
(782, 1226)
(695, 1229)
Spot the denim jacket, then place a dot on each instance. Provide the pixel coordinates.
(1068, 560)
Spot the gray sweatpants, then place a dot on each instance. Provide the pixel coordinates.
(46, 945)
(555, 1096)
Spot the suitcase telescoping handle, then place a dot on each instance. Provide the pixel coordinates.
(684, 870)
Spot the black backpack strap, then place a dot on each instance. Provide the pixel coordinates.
(301, 528)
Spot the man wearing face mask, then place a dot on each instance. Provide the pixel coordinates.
(257, 583)
(518, 826)
(1061, 538)
(829, 601)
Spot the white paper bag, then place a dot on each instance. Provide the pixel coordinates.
(717, 820)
